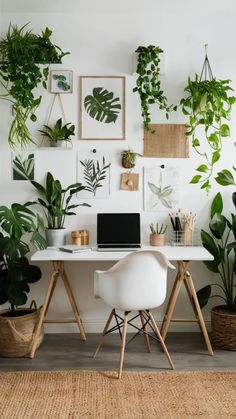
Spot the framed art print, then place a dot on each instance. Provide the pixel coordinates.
(23, 165)
(102, 108)
(61, 81)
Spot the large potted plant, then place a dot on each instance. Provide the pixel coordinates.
(208, 107)
(59, 133)
(20, 228)
(221, 243)
(55, 203)
(148, 84)
(24, 60)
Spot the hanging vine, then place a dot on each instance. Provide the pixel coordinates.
(208, 105)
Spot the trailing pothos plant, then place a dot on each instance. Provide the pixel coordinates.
(148, 84)
(208, 106)
(24, 60)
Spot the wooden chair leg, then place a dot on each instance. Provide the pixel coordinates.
(146, 337)
(103, 333)
(122, 348)
(161, 340)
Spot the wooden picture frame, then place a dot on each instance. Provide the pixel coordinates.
(61, 81)
(102, 108)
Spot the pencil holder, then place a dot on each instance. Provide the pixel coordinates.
(185, 237)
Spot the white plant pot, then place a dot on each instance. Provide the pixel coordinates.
(55, 237)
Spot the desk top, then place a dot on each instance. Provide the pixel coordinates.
(193, 253)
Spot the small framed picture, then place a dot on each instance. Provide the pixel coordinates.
(102, 108)
(61, 81)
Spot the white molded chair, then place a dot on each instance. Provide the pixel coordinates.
(137, 282)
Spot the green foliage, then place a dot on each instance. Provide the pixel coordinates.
(18, 222)
(94, 174)
(148, 84)
(59, 132)
(22, 55)
(102, 105)
(208, 105)
(61, 82)
(55, 201)
(221, 243)
(225, 178)
(158, 229)
(129, 158)
(23, 169)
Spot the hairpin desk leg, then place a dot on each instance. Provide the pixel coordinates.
(184, 277)
(58, 271)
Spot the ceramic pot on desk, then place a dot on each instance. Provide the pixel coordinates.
(55, 237)
(157, 239)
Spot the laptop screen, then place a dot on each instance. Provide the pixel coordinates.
(118, 230)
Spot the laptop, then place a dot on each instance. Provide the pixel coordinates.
(118, 231)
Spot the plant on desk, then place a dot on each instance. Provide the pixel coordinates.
(55, 202)
(221, 243)
(17, 325)
(157, 236)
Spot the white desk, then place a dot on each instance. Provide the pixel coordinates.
(182, 254)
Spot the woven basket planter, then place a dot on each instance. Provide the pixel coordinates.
(223, 323)
(17, 333)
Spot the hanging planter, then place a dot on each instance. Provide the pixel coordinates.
(208, 107)
(148, 84)
(24, 60)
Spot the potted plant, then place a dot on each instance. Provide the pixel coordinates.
(208, 107)
(55, 203)
(59, 133)
(24, 60)
(221, 243)
(129, 158)
(21, 227)
(148, 84)
(157, 236)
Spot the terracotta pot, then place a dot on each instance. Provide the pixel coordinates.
(157, 239)
(223, 325)
(127, 164)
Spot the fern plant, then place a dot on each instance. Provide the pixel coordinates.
(94, 174)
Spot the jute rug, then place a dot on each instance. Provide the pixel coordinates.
(89, 394)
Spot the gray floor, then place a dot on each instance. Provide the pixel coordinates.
(68, 352)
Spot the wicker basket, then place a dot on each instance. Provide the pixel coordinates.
(17, 332)
(223, 323)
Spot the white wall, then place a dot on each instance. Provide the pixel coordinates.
(102, 37)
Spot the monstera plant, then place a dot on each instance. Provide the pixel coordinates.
(102, 105)
(24, 60)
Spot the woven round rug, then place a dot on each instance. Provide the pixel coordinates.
(89, 394)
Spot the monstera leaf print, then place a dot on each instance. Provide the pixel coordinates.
(102, 105)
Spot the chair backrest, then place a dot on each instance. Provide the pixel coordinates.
(136, 282)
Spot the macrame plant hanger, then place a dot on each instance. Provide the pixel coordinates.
(206, 73)
(56, 96)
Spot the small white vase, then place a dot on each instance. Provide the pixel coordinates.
(55, 237)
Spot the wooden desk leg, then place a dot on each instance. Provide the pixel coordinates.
(192, 293)
(44, 309)
(172, 301)
(73, 302)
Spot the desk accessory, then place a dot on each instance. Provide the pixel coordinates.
(80, 237)
(72, 248)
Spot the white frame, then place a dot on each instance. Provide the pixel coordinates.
(92, 129)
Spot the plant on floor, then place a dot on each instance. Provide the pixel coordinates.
(55, 200)
(129, 158)
(221, 243)
(24, 60)
(59, 132)
(20, 228)
(148, 84)
(208, 107)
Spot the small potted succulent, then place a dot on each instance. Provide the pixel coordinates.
(157, 236)
(58, 134)
(129, 158)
